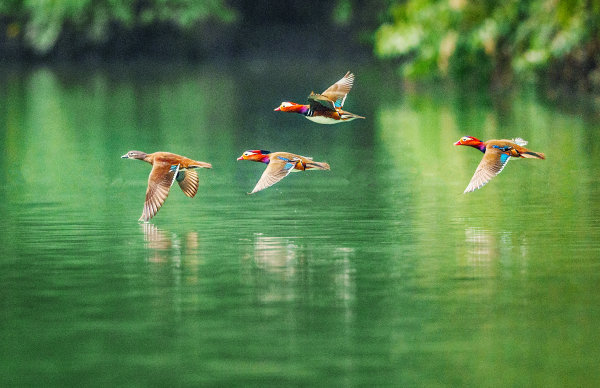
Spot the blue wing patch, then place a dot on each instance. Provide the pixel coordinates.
(504, 158)
(289, 165)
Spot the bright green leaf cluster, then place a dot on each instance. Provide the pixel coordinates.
(43, 21)
(459, 37)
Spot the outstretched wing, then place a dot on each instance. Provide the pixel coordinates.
(319, 102)
(277, 169)
(160, 180)
(334, 97)
(491, 164)
(338, 91)
(188, 181)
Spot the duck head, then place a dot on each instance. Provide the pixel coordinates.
(256, 155)
(287, 106)
(472, 142)
(468, 141)
(135, 155)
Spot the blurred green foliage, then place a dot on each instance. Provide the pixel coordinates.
(484, 38)
(481, 39)
(41, 22)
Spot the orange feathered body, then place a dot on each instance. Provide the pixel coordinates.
(514, 149)
(302, 163)
(174, 159)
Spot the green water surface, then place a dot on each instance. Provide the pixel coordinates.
(379, 272)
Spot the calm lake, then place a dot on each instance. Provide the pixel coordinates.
(378, 272)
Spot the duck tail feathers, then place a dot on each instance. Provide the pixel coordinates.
(534, 155)
(197, 164)
(317, 165)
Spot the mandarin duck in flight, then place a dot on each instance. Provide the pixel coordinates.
(496, 154)
(325, 108)
(166, 169)
(279, 165)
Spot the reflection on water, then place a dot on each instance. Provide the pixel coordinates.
(296, 263)
(159, 240)
(163, 247)
(481, 245)
(344, 274)
(277, 254)
(486, 246)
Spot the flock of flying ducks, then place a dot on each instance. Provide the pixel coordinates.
(324, 108)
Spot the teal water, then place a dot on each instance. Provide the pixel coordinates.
(378, 272)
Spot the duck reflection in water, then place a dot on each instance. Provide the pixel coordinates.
(481, 245)
(164, 246)
(277, 254)
(285, 270)
(486, 246)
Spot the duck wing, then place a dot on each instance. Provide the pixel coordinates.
(277, 169)
(319, 102)
(491, 164)
(188, 181)
(339, 90)
(160, 181)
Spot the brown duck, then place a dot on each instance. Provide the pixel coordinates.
(166, 169)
